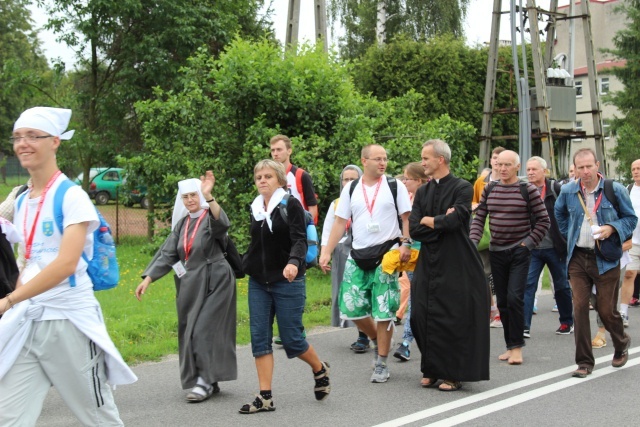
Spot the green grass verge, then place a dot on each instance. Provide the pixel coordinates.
(147, 330)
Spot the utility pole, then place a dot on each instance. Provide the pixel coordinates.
(293, 23)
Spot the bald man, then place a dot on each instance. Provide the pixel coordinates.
(518, 223)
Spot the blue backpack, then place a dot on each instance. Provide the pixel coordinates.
(312, 233)
(103, 267)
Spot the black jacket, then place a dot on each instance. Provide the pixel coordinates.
(271, 250)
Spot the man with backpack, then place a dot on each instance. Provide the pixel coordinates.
(551, 251)
(591, 223)
(299, 181)
(53, 333)
(518, 221)
(368, 295)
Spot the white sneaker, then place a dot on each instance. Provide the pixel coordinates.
(496, 322)
(625, 320)
(380, 374)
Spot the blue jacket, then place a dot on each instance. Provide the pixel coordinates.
(570, 215)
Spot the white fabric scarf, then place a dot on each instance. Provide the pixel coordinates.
(257, 207)
(186, 186)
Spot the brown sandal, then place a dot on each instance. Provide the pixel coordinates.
(450, 385)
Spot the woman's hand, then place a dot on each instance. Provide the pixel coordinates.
(208, 181)
(290, 272)
(143, 287)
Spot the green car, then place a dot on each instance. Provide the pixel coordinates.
(104, 183)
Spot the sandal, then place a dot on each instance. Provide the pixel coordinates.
(428, 382)
(599, 341)
(260, 404)
(323, 387)
(195, 396)
(450, 385)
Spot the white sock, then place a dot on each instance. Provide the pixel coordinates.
(201, 381)
(624, 308)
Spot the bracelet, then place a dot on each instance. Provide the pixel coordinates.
(213, 199)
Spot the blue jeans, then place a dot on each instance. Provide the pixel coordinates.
(509, 268)
(562, 290)
(407, 334)
(285, 301)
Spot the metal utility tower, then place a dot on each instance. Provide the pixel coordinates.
(293, 23)
(548, 98)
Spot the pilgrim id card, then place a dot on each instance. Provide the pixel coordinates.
(373, 227)
(178, 267)
(30, 271)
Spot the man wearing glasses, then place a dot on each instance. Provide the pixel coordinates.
(368, 294)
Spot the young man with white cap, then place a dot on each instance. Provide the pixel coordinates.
(53, 333)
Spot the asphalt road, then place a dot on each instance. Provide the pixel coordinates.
(539, 392)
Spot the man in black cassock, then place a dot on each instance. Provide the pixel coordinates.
(450, 298)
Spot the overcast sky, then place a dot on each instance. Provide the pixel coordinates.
(477, 26)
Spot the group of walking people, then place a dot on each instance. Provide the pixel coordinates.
(420, 227)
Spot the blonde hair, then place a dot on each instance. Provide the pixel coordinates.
(277, 167)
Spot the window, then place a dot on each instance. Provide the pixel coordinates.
(606, 128)
(604, 85)
(578, 86)
(578, 129)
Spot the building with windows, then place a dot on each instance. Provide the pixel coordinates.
(605, 23)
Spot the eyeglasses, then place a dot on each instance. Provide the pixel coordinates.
(379, 159)
(31, 139)
(193, 196)
(404, 178)
(348, 179)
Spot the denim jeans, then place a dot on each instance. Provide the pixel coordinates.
(285, 301)
(407, 334)
(561, 288)
(510, 268)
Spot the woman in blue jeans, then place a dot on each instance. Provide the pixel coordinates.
(275, 264)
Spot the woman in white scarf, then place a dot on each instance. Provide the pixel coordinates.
(205, 288)
(275, 262)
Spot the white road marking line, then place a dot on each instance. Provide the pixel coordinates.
(421, 415)
(530, 395)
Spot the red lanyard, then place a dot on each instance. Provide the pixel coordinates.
(288, 169)
(29, 238)
(188, 245)
(375, 195)
(598, 200)
(543, 191)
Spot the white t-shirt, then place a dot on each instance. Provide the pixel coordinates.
(76, 208)
(384, 213)
(635, 201)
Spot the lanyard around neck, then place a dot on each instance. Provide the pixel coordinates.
(29, 237)
(189, 244)
(375, 195)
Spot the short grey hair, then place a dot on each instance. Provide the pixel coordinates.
(277, 167)
(540, 160)
(440, 147)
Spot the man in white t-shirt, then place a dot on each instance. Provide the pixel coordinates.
(299, 181)
(368, 295)
(69, 348)
(632, 268)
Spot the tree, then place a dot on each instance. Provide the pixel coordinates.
(627, 128)
(20, 53)
(418, 20)
(449, 75)
(126, 48)
(228, 108)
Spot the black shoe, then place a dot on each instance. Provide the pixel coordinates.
(361, 345)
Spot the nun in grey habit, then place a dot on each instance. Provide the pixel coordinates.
(205, 288)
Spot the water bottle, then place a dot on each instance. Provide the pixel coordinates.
(105, 237)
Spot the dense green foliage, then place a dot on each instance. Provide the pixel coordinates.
(450, 76)
(228, 108)
(20, 60)
(125, 49)
(627, 128)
